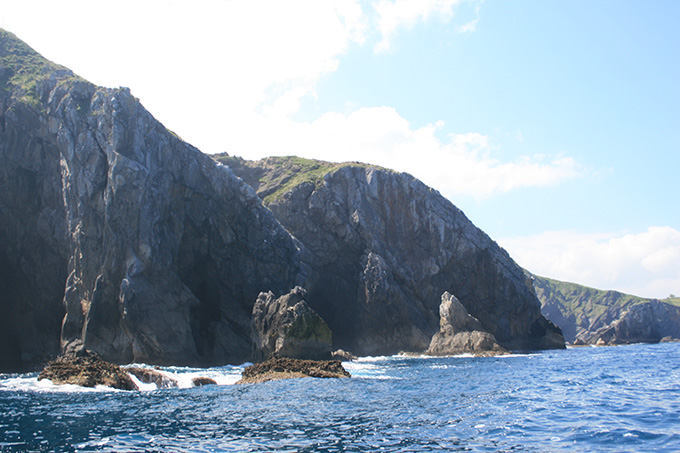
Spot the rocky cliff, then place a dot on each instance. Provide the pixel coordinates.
(380, 249)
(117, 236)
(588, 316)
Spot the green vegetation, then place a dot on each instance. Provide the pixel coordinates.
(582, 300)
(672, 299)
(23, 69)
(272, 177)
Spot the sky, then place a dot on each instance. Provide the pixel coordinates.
(555, 126)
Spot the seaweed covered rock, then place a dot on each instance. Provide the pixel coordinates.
(286, 368)
(288, 327)
(87, 369)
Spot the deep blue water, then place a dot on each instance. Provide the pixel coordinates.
(623, 398)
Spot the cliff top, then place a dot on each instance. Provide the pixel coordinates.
(271, 177)
(583, 299)
(22, 69)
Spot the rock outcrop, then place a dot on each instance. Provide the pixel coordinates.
(277, 368)
(460, 333)
(381, 247)
(591, 316)
(648, 322)
(117, 236)
(287, 327)
(87, 369)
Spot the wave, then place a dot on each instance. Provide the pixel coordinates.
(227, 375)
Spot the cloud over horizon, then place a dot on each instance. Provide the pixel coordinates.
(645, 264)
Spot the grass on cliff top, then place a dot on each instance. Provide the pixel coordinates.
(26, 68)
(579, 299)
(280, 175)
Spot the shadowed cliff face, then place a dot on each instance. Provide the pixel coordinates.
(381, 249)
(591, 316)
(152, 251)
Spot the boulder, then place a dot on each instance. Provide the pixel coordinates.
(286, 368)
(201, 381)
(87, 369)
(162, 379)
(342, 355)
(461, 333)
(288, 327)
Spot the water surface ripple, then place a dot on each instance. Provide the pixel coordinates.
(582, 399)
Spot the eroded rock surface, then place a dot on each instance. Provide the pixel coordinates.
(381, 247)
(461, 333)
(588, 315)
(147, 249)
(648, 322)
(286, 326)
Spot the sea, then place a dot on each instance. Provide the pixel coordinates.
(618, 399)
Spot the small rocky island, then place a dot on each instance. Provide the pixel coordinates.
(287, 368)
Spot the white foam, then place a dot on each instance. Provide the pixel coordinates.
(31, 383)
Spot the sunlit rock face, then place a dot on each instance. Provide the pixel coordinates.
(380, 248)
(460, 333)
(117, 236)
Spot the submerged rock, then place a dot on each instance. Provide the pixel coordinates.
(287, 327)
(87, 369)
(286, 368)
(461, 333)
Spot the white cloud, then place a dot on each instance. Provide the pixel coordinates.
(459, 164)
(393, 15)
(645, 264)
(228, 76)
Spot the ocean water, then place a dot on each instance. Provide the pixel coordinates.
(624, 398)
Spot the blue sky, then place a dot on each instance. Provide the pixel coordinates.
(554, 125)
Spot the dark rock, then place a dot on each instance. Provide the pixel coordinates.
(460, 333)
(381, 247)
(87, 369)
(201, 381)
(648, 322)
(578, 310)
(287, 327)
(286, 368)
(117, 236)
(162, 379)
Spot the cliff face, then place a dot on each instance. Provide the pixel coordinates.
(588, 315)
(381, 248)
(118, 237)
(149, 250)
